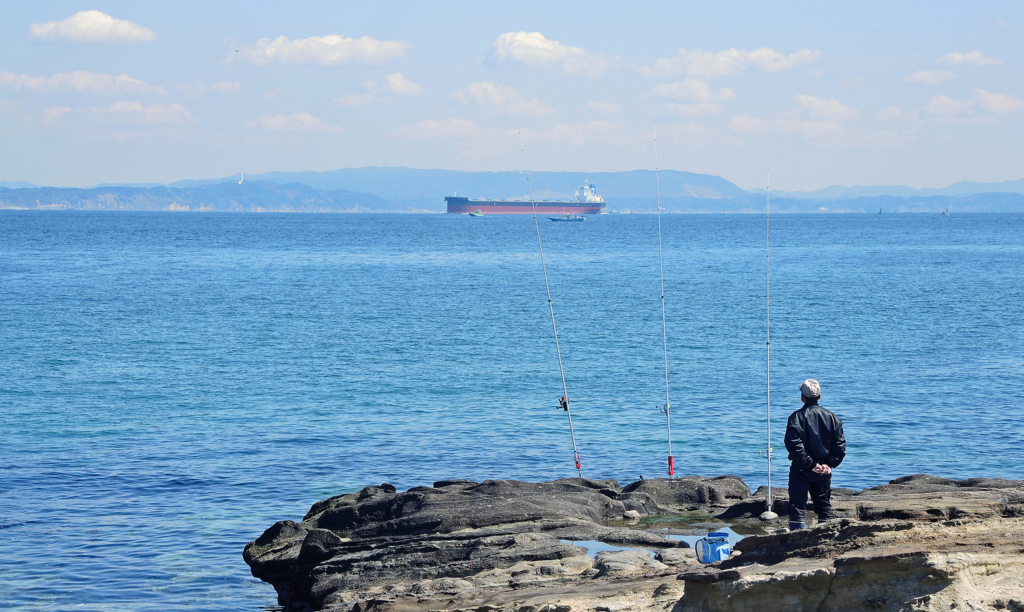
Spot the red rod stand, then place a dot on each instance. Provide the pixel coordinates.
(576, 456)
(671, 468)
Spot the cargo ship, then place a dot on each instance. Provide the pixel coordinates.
(585, 201)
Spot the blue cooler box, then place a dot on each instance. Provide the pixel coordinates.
(713, 547)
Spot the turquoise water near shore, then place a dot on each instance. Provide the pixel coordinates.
(172, 384)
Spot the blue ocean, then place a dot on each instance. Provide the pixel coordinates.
(173, 383)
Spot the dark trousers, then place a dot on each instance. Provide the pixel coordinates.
(820, 488)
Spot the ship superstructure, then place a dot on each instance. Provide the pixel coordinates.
(584, 201)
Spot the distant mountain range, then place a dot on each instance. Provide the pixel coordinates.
(963, 188)
(414, 190)
(260, 196)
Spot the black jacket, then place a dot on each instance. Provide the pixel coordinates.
(814, 435)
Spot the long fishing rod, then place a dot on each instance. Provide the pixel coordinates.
(768, 514)
(667, 408)
(547, 286)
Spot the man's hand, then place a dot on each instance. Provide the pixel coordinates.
(821, 468)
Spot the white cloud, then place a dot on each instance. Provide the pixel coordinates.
(943, 107)
(81, 81)
(745, 124)
(700, 109)
(605, 108)
(439, 130)
(814, 72)
(357, 99)
(191, 89)
(708, 64)
(501, 100)
(820, 132)
(532, 48)
(398, 85)
(134, 112)
(691, 134)
(54, 113)
(92, 26)
(817, 108)
(395, 83)
(324, 50)
(581, 135)
(703, 99)
(821, 122)
(929, 77)
(891, 113)
(226, 86)
(692, 89)
(998, 103)
(974, 58)
(475, 141)
(296, 122)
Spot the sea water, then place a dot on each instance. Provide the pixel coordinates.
(173, 383)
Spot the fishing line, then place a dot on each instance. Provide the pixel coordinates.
(768, 514)
(667, 408)
(547, 286)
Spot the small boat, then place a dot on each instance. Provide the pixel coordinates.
(569, 218)
(476, 214)
(945, 213)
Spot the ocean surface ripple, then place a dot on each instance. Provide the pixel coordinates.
(172, 384)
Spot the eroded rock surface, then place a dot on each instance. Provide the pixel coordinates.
(917, 543)
(848, 565)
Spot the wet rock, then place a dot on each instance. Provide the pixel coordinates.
(917, 497)
(678, 557)
(689, 493)
(852, 565)
(626, 563)
(919, 542)
(376, 512)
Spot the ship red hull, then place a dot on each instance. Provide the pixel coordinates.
(465, 206)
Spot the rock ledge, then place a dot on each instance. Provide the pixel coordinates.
(917, 543)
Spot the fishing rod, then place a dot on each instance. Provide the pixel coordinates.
(547, 286)
(667, 408)
(769, 500)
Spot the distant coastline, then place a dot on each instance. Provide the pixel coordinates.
(408, 190)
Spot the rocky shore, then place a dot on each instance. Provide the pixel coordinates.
(917, 543)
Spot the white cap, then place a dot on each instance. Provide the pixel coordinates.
(811, 389)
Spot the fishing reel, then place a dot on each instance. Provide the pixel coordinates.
(766, 454)
(665, 410)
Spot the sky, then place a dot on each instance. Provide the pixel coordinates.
(923, 94)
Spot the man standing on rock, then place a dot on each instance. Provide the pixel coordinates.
(816, 445)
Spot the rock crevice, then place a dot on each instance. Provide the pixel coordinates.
(919, 542)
